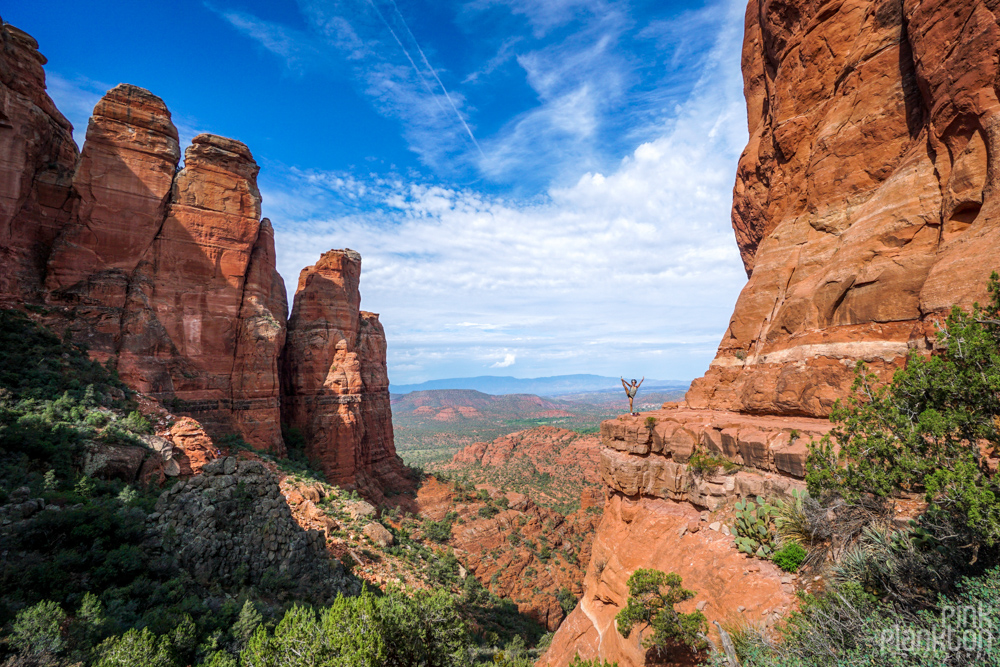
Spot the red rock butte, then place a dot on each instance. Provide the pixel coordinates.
(865, 206)
(171, 274)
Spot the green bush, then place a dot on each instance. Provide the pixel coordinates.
(437, 531)
(652, 596)
(135, 647)
(566, 600)
(394, 629)
(921, 431)
(38, 629)
(579, 662)
(789, 557)
(707, 464)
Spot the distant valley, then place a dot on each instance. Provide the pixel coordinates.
(431, 426)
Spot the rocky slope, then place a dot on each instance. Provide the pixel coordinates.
(532, 555)
(864, 207)
(170, 274)
(555, 467)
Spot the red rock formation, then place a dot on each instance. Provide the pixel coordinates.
(335, 380)
(198, 310)
(864, 202)
(504, 551)
(172, 273)
(653, 533)
(514, 462)
(865, 205)
(37, 159)
(123, 181)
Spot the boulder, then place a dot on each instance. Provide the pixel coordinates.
(378, 534)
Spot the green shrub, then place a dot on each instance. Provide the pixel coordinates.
(135, 647)
(707, 464)
(38, 629)
(921, 431)
(394, 629)
(789, 557)
(136, 423)
(579, 662)
(437, 531)
(652, 596)
(566, 600)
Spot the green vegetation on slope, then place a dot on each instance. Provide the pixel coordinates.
(78, 584)
(924, 593)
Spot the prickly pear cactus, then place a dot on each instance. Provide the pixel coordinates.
(752, 528)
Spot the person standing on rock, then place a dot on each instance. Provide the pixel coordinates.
(630, 391)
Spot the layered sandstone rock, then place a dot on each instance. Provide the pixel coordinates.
(198, 308)
(336, 387)
(37, 159)
(171, 274)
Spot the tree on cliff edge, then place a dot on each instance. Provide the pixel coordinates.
(930, 430)
(652, 596)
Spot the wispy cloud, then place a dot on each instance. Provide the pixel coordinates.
(373, 38)
(297, 49)
(627, 270)
(76, 97)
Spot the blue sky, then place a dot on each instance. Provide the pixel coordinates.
(537, 187)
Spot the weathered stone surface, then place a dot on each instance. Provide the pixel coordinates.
(336, 387)
(865, 205)
(378, 534)
(170, 272)
(707, 562)
(865, 202)
(123, 181)
(113, 461)
(183, 321)
(231, 525)
(37, 159)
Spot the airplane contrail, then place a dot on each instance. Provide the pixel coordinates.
(407, 54)
(434, 73)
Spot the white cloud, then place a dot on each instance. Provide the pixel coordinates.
(631, 270)
(508, 360)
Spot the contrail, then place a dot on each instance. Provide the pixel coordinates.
(432, 70)
(407, 54)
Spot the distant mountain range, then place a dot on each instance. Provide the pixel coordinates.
(547, 386)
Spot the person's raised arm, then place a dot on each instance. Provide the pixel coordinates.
(640, 382)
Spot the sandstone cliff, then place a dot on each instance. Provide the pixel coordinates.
(865, 205)
(336, 386)
(170, 272)
(37, 160)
